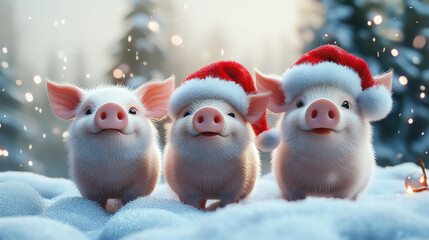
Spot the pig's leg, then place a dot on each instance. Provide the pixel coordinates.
(345, 195)
(224, 202)
(195, 200)
(130, 194)
(294, 195)
(229, 196)
(203, 203)
(98, 198)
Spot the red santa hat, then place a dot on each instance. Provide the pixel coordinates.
(228, 81)
(329, 64)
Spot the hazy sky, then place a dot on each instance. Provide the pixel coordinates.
(81, 31)
(259, 34)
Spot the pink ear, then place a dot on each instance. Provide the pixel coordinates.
(385, 80)
(155, 96)
(257, 106)
(276, 103)
(64, 99)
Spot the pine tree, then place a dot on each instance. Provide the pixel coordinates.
(12, 133)
(388, 36)
(138, 56)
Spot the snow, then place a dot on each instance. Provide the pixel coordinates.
(38, 207)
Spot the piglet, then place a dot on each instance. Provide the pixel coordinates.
(211, 151)
(329, 98)
(113, 147)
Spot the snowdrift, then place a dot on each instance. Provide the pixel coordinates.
(36, 207)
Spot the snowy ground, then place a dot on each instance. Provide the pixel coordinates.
(37, 207)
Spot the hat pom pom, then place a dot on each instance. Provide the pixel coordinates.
(375, 102)
(268, 140)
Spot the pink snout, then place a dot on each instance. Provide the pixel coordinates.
(208, 119)
(322, 113)
(111, 116)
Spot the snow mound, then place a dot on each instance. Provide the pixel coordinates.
(37, 228)
(383, 211)
(19, 199)
(83, 214)
(47, 187)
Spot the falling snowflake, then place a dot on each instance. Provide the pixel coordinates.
(176, 40)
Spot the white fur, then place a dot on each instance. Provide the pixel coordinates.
(298, 78)
(214, 88)
(199, 168)
(268, 140)
(336, 165)
(110, 164)
(375, 102)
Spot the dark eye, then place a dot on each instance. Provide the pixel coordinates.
(346, 105)
(132, 110)
(89, 111)
(186, 114)
(231, 114)
(299, 104)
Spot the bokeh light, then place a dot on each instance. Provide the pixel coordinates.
(29, 97)
(419, 41)
(176, 40)
(153, 26)
(37, 79)
(378, 20)
(403, 80)
(117, 73)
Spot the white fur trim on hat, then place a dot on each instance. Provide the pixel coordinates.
(301, 76)
(375, 102)
(268, 140)
(208, 88)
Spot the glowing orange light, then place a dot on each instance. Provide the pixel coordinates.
(409, 189)
(117, 73)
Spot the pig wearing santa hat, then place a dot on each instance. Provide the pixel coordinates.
(219, 120)
(329, 98)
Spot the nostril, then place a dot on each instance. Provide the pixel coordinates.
(331, 114)
(200, 119)
(103, 115)
(216, 119)
(120, 116)
(314, 113)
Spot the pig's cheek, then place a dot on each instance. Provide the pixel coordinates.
(136, 124)
(235, 131)
(295, 120)
(85, 125)
(352, 123)
(185, 126)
